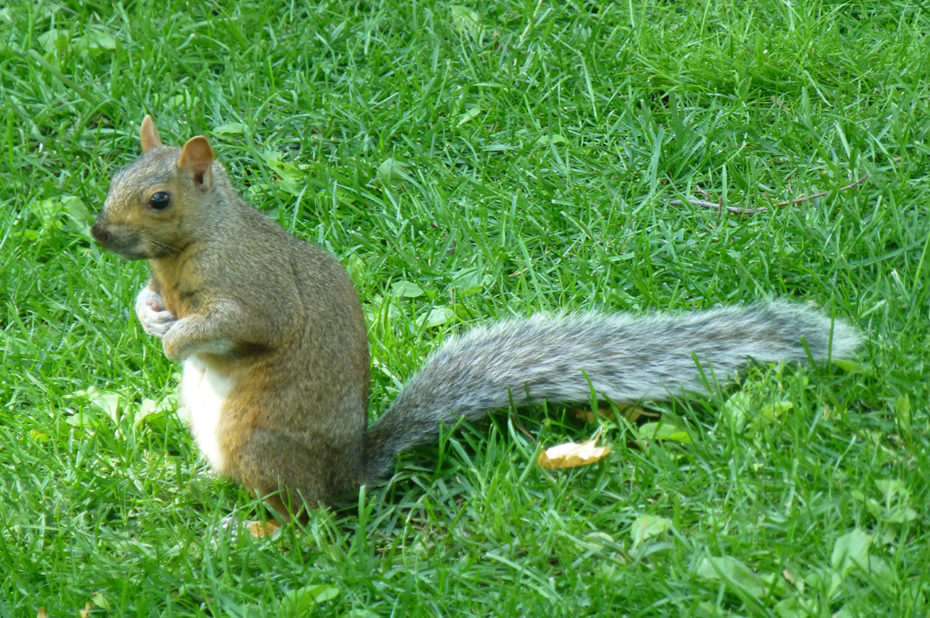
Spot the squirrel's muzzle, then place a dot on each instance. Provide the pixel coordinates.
(100, 234)
(118, 239)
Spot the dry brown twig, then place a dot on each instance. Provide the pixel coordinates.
(735, 210)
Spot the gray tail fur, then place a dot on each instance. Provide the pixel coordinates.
(621, 357)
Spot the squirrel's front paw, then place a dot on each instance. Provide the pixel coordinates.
(178, 345)
(172, 345)
(155, 319)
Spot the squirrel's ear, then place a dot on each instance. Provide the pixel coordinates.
(197, 158)
(149, 134)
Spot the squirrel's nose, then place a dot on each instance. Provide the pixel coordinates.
(100, 235)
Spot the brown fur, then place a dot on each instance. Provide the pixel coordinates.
(297, 345)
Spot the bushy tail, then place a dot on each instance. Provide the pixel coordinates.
(622, 357)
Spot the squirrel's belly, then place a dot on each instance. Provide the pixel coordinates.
(203, 394)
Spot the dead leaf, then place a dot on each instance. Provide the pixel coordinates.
(635, 413)
(42, 613)
(586, 415)
(84, 613)
(263, 529)
(631, 413)
(572, 455)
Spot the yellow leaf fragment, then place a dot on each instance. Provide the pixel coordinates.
(263, 529)
(630, 413)
(635, 413)
(571, 455)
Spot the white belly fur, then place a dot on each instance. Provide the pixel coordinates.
(203, 393)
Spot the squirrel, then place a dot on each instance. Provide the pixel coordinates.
(275, 353)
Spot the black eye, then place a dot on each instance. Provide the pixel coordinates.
(159, 201)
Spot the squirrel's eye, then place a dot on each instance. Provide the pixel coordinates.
(159, 201)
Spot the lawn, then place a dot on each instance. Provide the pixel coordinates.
(470, 162)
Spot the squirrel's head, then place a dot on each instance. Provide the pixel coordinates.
(154, 207)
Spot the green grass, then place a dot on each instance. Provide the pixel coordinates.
(505, 157)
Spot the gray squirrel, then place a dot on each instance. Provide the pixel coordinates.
(275, 353)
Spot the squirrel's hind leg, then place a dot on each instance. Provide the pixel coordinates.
(288, 476)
